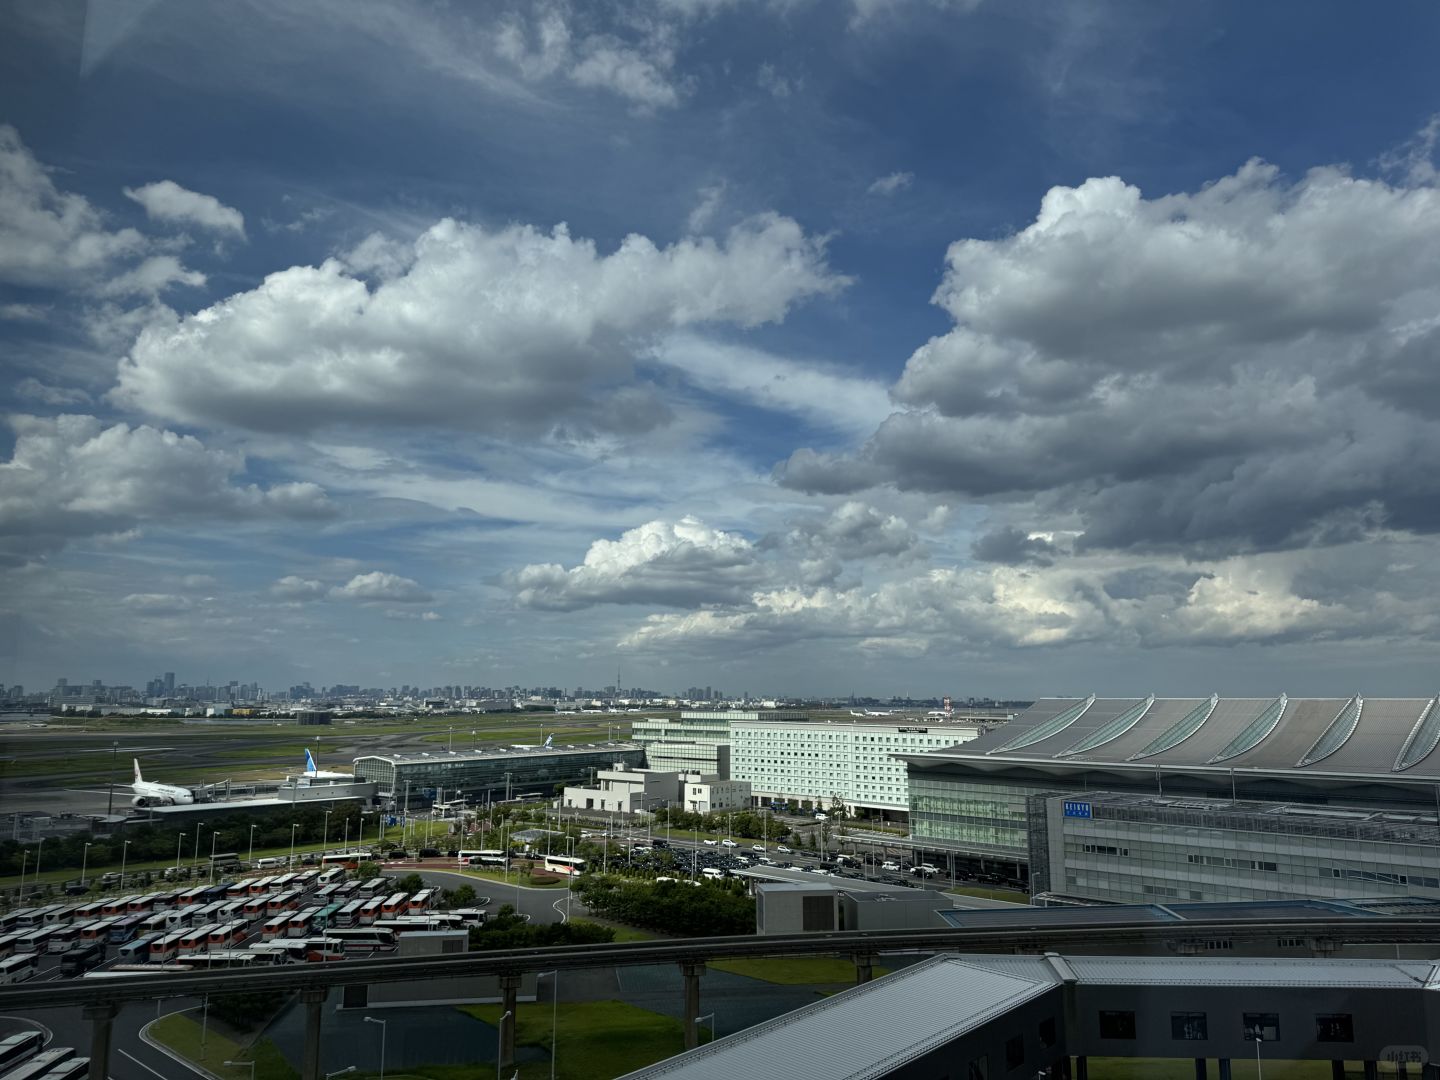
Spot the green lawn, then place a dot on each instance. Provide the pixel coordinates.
(794, 970)
(597, 1040)
(1008, 895)
(1184, 1069)
(622, 932)
(513, 877)
(181, 1032)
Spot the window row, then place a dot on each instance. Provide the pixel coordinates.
(1254, 1027)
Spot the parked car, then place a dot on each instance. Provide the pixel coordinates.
(711, 843)
(890, 865)
(727, 842)
(782, 849)
(757, 847)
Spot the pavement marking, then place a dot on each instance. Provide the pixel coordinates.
(142, 1064)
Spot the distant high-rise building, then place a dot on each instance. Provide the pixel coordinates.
(169, 682)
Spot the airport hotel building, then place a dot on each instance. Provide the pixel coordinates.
(1154, 799)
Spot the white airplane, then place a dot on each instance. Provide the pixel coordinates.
(522, 746)
(312, 771)
(149, 793)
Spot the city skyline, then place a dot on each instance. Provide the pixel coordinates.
(877, 347)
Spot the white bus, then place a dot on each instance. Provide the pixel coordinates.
(364, 938)
(349, 914)
(18, 968)
(483, 857)
(564, 864)
(374, 886)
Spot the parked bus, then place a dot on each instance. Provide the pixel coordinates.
(9, 941)
(394, 904)
(82, 958)
(301, 922)
(564, 864)
(88, 912)
(227, 935)
(41, 916)
(371, 910)
(192, 897)
(228, 958)
(327, 916)
(62, 938)
(347, 890)
(20, 1046)
(13, 920)
(123, 929)
(35, 941)
(421, 901)
(374, 886)
(118, 971)
(138, 951)
(42, 1063)
(305, 879)
(166, 948)
(362, 938)
(470, 916)
(260, 885)
(269, 952)
(324, 893)
(274, 927)
(18, 968)
(349, 914)
(216, 893)
(165, 901)
(139, 905)
(483, 857)
(96, 931)
(193, 940)
(254, 907)
(73, 1069)
(238, 890)
(231, 909)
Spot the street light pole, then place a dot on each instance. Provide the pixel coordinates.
(250, 858)
(383, 1034)
(39, 850)
(179, 839)
(84, 862)
(291, 864)
(110, 805)
(214, 836)
(124, 855)
(196, 850)
(325, 837)
(23, 861)
(500, 1041)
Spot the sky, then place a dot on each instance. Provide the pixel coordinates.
(785, 346)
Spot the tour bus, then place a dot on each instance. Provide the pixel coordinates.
(421, 901)
(88, 912)
(155, 923)
(192, 897)
(325, 892)
(216, 894)
(227, 958)
(16, 1048)
(231, 909)
(138, 951)
(9, 940)
(123, 929)
(164, 949)
(482, 857)
(70, 1069)
(118, 971)
(164, 901)
(281, 882)
(226, 935)
(374, 886)
(11, 920)
(364, 938)
(394, 904)
(18, 968)
(36, 940)
(254, 907)
(48, 915)
(564, 864)
(43, 1063)
(347, 890)
(238, 890)
(316, 950)
(62, 938)
(115, 906)
(283, 901)
(371, 910)
(349, 914)
(470, 916)
(302, 922)
(269, 952)
(274, 927)
(305, 879)
(193, 940)
(82, 958)
(139, 905)
(327, 916)
(96, 930)
(260, 885)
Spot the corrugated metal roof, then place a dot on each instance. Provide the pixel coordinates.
(864, 1032)
(1260, 971)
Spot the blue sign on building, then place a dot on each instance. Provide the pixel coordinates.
(1077, 809)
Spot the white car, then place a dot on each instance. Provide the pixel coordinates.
(890, 866)
(711, 843)
(782, 849)
(728, 843)
(757, 847)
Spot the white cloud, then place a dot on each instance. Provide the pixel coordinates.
(74, 476)
(889, 185)
(47, 236)
(827, 398)
(167, 201)
(380, 587)
(294, 587)
(683, 564)
(711, 197)
(156, 604)
(508, 330)
(32, 389)
(151, 277)
(22, 312)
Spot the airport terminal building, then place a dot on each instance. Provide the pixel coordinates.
(975, 801)
(489, 775)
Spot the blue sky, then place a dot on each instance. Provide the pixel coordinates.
(781, 345)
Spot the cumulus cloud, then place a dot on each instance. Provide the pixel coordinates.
(508, 330)
(1248, 367)
(379, 587)
(48, 236)
(151, 277)
(294, 587)
(168, 202)
(1013, 547)
(855, 530)
(680, 564)
(889, 185)
(76, 476)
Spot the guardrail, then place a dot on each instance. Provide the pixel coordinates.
(1028, 939)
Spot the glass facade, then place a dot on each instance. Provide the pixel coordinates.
(970, 816)
(479, 776)
(1133, 849)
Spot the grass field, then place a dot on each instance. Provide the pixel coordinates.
(1009, 895)
(1240, 1069)
(182, 1033)
(794, 970)
(596, 1040)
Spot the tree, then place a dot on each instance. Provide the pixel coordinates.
(367, 870)
(464, 896)
(410, 883)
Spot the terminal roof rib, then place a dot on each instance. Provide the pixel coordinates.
(1292, 736)
(1110, 731)
(1422, 739)
(1337, 734)
(1053, 726)
(1384, 725)
(1179, 731)
(1254, 732)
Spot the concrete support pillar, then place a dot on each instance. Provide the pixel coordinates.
(1202, 1072)
(692, 973)
(1400, 1070)
(1337, 1070)
(509, 985)
(864, 967)
(1372, 1070)
(102, 1022)
(314, 1000)
(1429, 1071)
(1062, 1069)
(1082, 1068)
(1223, 1065)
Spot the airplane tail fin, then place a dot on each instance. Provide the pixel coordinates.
(548, 740)
(138, 778)
(310, 765)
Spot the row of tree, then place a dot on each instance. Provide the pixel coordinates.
(507, 930)
(709, 909)
(745, 823)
